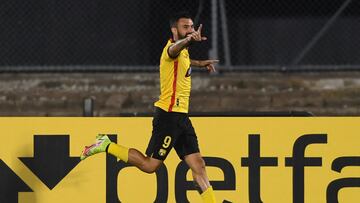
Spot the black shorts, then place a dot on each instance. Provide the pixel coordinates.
(171, 129)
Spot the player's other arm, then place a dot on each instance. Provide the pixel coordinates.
(208, 64)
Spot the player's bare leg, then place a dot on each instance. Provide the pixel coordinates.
(197, 166)
(132, 156)
(146, 164)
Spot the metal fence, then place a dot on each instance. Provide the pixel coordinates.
(113, 35)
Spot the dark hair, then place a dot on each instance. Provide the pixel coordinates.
(175, 17)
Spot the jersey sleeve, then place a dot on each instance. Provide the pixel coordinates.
(165, 54)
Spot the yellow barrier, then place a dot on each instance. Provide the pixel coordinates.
(310, 160)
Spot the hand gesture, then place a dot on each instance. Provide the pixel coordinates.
(209, 64)
(196, 36)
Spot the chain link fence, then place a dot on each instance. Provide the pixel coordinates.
(97, 35)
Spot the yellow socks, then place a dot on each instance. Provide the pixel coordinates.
(208, 196)
(119, 151)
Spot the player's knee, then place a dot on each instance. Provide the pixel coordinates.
(148, 170)
(151, 167)
(199, 167)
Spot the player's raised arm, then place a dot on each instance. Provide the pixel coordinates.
(184, 39)
(175, 49)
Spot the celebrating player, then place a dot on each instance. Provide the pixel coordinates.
(172, 127)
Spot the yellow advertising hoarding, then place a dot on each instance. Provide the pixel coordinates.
(310, 160)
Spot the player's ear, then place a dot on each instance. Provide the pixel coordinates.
(174, 31)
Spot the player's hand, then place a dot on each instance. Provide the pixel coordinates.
(209, 64)
(196, 36)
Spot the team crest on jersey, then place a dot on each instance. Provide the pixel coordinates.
(188, 72)
(162, 152)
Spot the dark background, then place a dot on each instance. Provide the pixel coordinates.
(113, 32)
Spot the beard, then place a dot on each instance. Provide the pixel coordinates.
(183, 36)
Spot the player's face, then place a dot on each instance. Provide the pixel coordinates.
(184, 27)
